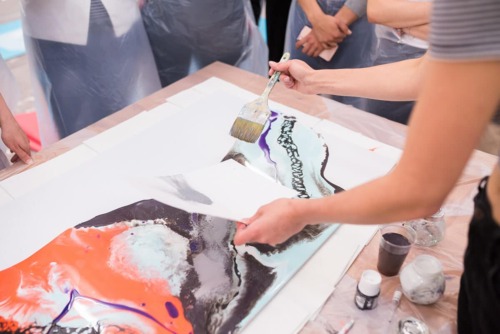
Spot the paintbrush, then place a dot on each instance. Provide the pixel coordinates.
(250, 122)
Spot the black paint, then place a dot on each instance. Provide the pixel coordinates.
(391, 258)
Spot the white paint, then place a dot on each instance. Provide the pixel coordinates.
(149, 252)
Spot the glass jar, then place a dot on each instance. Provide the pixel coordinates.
(429, 231)
(422, 280)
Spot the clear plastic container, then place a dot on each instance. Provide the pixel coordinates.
(429, 231)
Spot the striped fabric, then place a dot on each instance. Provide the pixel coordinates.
(465, 29)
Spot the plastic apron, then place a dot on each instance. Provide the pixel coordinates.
(79, 84)
(392, 49)
(354, 51)
(187, 35)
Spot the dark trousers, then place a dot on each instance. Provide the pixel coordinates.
(256, 8)
(183, 35)
(276, 21)
(277, 18)
(479, 296)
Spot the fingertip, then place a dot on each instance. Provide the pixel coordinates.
(237, 240)
(25, 157)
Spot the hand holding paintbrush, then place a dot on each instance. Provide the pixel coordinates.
(296, 75)
(249, 124)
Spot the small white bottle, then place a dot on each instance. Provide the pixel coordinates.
(368, 290)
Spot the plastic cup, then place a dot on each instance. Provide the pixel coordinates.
(395, 243)
(430, 230)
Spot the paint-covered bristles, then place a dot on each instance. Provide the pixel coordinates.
(246, 130)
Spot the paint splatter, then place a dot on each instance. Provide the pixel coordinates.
(172, 310)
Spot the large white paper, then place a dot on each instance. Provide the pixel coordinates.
(126, 166)
(25, 182)
(226, 190)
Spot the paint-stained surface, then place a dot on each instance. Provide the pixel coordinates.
(152, 268)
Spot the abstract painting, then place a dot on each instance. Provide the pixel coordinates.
(149, 267)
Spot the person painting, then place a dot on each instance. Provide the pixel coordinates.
(457, 88)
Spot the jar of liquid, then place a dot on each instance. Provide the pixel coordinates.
(368, 290)
(429, 231)
(422, 280)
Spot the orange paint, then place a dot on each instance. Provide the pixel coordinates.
(83, 253)
(7, 325)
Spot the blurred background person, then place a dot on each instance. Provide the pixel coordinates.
(11, 133)
(187, 35)
(334, 23)
(402, 29)
(90, 58)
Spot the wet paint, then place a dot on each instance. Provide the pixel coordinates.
(42, 289)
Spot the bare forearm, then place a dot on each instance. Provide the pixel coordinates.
(421, 31)
(5, 113)
(347, 15)
(391, 82)
(312, 10)
(383, 200)
(446, 125)
(398, 13)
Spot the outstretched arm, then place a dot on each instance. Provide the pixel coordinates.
(446, 125)
(398, 13)
(398, 81)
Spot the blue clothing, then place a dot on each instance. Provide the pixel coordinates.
(354, 52)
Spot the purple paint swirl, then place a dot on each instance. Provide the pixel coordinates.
(75, 294)
(172, 310)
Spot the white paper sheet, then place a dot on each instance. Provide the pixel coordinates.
(31, 179)
(189, 142)
(226, 190)
(5, 197)
(85, 192)
(131, 127)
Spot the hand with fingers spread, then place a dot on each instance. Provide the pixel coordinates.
(13, 136)
(273, 223)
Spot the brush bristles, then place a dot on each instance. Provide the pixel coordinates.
(246, 130)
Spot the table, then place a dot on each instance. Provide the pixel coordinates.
(440, 316)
